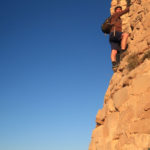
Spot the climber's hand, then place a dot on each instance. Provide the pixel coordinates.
(128, 3)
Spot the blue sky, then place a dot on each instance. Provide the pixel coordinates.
(54, 71)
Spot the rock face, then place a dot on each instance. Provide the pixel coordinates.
(124, 121)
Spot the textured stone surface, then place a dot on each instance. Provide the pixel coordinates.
(120, 97)
(100, 117)
(141, 84)
(124, 121)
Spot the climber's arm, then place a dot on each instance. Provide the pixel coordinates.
(123, 12)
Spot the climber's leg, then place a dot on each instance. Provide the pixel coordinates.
(113, 59)
(113, 55)
(115, 49)
(124, 41)
(115, 52)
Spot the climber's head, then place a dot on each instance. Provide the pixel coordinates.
(118, 9)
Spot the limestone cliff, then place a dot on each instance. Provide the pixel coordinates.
(124, 121)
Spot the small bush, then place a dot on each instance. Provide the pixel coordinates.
(133, 61)
(146, 56)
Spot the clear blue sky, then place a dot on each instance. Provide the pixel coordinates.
(54, 71)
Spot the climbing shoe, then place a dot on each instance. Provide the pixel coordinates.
(123, 54)
(114, 66)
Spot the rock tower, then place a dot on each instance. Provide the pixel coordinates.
(124, 121)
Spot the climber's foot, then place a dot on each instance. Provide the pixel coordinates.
(114, 69)
(123, 54)
(114, 66)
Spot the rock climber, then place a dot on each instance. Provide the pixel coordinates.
(117, 38)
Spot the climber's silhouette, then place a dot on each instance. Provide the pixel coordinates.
(118, 39)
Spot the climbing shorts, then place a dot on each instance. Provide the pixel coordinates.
(115, 40)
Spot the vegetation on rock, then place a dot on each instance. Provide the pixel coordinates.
(133, 61)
